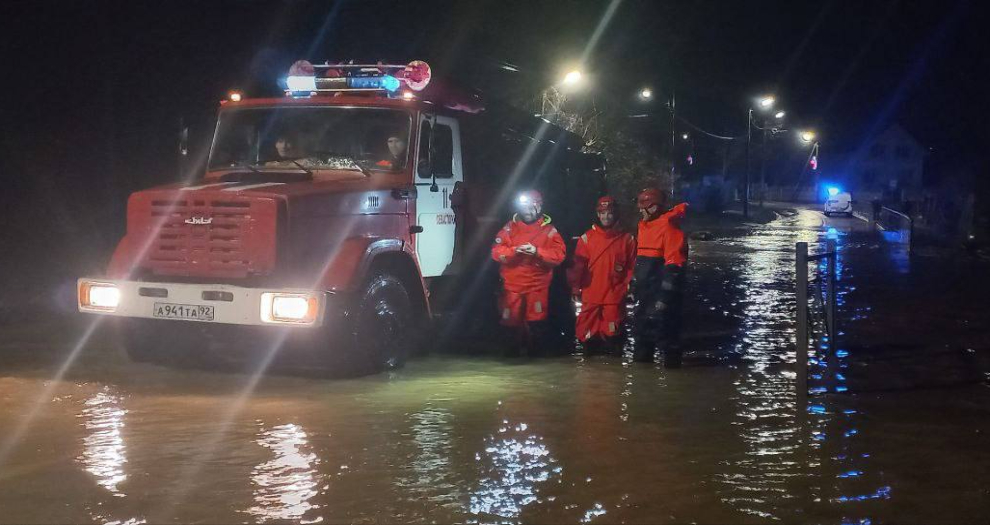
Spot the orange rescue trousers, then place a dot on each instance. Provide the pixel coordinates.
(599, 320)
(516, 309)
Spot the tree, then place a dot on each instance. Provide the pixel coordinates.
(604, 128)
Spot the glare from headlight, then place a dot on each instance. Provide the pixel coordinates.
(288, 308)
(99, 296)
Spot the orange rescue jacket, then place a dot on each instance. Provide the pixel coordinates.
(603, 265)
(522, 273)
(663, 237)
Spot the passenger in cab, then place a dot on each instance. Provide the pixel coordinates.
(599, 279)
(658, 279)
(395, 160)
(527, 249)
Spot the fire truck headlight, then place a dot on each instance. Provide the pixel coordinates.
(301, 83)
(289, 308)
(99, 296)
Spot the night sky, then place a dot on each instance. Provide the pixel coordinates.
(93, 91)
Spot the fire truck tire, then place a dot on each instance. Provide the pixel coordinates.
(385, 331)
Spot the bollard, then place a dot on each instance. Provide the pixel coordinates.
(801, 356)
(831, 264)
(830, 292)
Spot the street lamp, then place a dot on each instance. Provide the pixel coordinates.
(809, 137)
(765, 103)
(555, 95)
(779, 115)
(646, 95)
(572, 78)
(685, 136)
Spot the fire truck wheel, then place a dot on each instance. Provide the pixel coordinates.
(384, 324)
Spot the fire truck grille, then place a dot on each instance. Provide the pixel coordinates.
(210, 237)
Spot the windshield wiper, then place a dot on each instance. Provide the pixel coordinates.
(247, 166)
(308, 172)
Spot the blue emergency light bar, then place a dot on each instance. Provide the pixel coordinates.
(306, 79)
(386, 82)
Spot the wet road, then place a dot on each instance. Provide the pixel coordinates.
(484, 440)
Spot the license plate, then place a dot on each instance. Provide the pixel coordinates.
(189, 312)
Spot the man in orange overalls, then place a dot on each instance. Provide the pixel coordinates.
(599, 278)
(527, 248)
(661, 255)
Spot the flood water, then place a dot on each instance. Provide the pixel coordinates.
(486, 440)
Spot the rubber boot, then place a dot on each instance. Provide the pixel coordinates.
(593, 346)
(518, 340)
(644, 352)
(612, 346)
(672, 356)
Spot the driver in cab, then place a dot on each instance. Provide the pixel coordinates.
(287, 149)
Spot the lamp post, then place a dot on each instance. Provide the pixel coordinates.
(809, 137)
(645, 95)
(765, 103)
(763, 158)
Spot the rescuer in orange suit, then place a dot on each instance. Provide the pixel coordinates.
(658, 279)
(527, 249)
(599, 278)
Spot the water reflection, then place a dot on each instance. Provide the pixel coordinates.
(433, 476)
(513, 466)
(285, 484)
(760, 482)
(104, 453)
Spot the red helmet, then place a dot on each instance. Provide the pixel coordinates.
(530, 197)
(648, 197)
(606, 203)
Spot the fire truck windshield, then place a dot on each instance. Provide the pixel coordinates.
(312, 138)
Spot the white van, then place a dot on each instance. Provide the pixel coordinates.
(839, 203)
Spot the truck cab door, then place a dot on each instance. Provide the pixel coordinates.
(439, 137)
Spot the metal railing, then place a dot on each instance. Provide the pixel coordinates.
(824, 295)
(896, 226)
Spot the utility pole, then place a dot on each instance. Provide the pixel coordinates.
(673, 141)
(763, 165)
(749, 128)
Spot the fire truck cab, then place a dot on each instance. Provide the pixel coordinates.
(328, 221)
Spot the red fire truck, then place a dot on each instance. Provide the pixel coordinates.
(335, 222)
